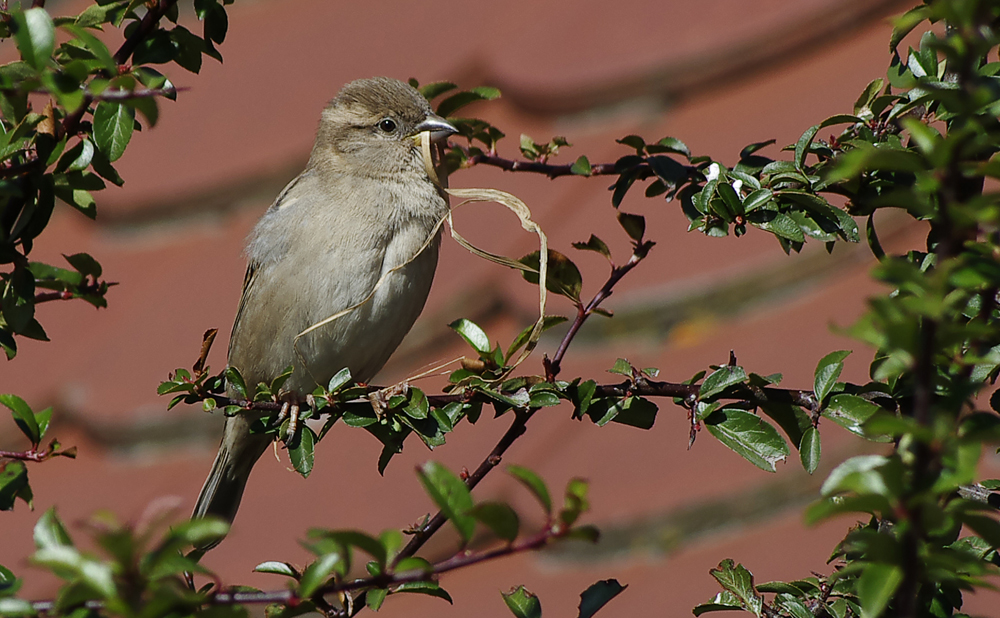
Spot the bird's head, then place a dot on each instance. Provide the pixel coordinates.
(371, 128)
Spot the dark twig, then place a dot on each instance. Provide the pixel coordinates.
(538, 167)
(31, 455)
(30, 163)
(617, 272)
(289, 597)
(139, 93)
(146, 27)
(516, 430)
(39, 455)
(44, 297)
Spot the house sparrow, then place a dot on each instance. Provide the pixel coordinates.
(363, 206)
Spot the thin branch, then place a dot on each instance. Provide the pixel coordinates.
(642, 387)
(36, 455)
(139, 93)
(146, 27)
(515, 431)
(538, 167)
(552, 367)
(44, 297)
(458, 561)
(31, 455)
(289, 597)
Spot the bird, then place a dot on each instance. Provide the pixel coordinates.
(357, 230)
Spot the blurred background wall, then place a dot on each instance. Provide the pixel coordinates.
(718, 74)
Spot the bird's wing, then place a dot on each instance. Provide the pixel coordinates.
(247, 285)
(254, 266)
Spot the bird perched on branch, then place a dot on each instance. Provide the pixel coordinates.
(355, 231)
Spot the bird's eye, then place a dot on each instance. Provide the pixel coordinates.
(387, 125)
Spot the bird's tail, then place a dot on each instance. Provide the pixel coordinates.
(238, 452)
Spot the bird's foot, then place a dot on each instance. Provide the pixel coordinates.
(290, 410)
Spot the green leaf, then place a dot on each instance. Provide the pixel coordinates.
(98, 14)
(436, 89)
(749, 436)
(189, 48)
(634, 225)
(738, 581)
(827, 372)
(575, 502)
(723, 601)
(317, 573)
(43, 419)
(303, 453)
(77, 158)
(216, 26)
(777, 223)
(562, 277)
(414, 563)
(451, 496)
(865, 474)
(597, 596)
(522, 604)
(374, 598)
(499, 518)
(672, 144)
(473, 334)
(876, 586)
(622, 367)
(905, 23)
(721, 379)
(13, 483)
(793, 606)
(872, 237)
(234, 380)
(201, 531)
(85, 264)
(633, 411)
(581, 166)
(339, 379)
(548, 322)
(757, 199)
(594, 244)
(457, 101)
(23, 416)
(535, 485)
(809, 450)
(353, 538)
(430, 588)
(113, 124)
(802, 146)
(16, 608)
(35, 36)
(49, 531)
(417, 407)
(633, 141)
(851, 412)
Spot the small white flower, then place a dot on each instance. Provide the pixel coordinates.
(713, 172)
(737, 185)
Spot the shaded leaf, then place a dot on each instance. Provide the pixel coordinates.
(597, 596)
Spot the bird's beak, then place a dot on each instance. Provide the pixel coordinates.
(438, 127)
